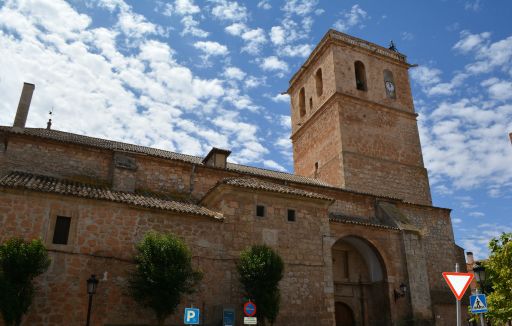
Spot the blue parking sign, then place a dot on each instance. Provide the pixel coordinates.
(191, 316)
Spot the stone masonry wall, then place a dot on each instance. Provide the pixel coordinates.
(103, 244)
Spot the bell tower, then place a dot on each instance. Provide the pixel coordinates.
(353, 120)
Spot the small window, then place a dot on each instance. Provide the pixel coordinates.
(319, 82)
(291, 215)
(360, 76)
(61, 231)
(260, 210)
(302, 102)
(310, 103)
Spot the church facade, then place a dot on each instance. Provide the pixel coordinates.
(355, 225)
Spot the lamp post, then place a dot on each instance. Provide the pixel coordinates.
(92, 283)
(479, 272)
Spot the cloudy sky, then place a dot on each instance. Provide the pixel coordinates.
(186, 75)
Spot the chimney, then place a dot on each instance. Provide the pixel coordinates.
(469, 258)
(24, 105)
(217, 158)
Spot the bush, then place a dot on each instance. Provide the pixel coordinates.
(20, 263)
(163, 274)
(260, 270)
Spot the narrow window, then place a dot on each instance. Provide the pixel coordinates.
(310, 103)
(316, 169)
(260, 210)
(389, 84)
(291, 215)
(61, 231)
(302, 102)
(319, 82)
(360, 76)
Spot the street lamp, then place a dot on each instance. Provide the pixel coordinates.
(92, 283)
(479, 272)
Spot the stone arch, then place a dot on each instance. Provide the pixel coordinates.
(360, 76)
(344, 314)
(302, 102)
(319, 82)
(360, 280)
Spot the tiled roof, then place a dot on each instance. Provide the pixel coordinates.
(360, 221)
(40, 183)
(253, 183)
(67, 137)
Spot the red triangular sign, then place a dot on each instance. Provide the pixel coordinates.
(458, 282)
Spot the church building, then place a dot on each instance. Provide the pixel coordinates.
(355, 224)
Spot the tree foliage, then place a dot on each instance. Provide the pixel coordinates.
(163, 273)
(260, 270)
(20, 263)
(498, 269)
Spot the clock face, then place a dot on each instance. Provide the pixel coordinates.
(390, 86)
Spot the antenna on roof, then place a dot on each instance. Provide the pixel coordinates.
(49, 123)
(392, 46)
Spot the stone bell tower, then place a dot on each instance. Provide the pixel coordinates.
(353, 120)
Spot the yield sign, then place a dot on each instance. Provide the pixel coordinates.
(458, 282)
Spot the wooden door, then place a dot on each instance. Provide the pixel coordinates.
(344, 315)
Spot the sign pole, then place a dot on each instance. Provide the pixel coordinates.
(457, 302)
(482, 322)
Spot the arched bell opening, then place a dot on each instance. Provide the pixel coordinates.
(359, 276)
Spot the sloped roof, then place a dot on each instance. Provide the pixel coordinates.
(22, 180)
(67, 137)
(338, 218)
(257, 184)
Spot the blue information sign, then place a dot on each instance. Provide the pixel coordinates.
(478, 303)
(191, 316)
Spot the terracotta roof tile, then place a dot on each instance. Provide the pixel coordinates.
(253, 183)
(67, 137)
(359, 221)
(22, 180)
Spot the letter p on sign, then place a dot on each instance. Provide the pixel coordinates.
(191, 316)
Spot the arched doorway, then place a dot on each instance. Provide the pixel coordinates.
(359, 276)
(344, 315)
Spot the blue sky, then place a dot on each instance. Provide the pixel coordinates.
(186, 75)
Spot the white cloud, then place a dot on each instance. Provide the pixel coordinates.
(264, 4)
(489, 57)
(470, 42)
(236, 29)
(234, 73)
(407, 36)
(273, 165)
(186, 7)
(138, 97)
(253, 82)
(211, 48)
(473, 5)
(273, 63)
(477, 214)
(229, 10)
(300, 50)
(499, 89)
(478, 242)
(277, 35)
(254, 39)
(285, 98)
(456, 220)
(355, 17)
(426, 76)
(190, 26)
(299, 7)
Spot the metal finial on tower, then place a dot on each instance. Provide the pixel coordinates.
(49, 123)
(392, 46)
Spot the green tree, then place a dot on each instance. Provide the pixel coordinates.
(163, 274)
(498, 269)
(20, 263)
(260, 269)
